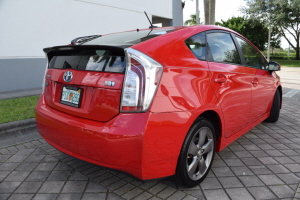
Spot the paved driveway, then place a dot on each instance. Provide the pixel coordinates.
(290, 77)
(262, 164)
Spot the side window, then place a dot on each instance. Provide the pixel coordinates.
(197, 45)
(252, 57)
(222, 48)
(264, 63)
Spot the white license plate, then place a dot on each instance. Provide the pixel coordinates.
(71, 96)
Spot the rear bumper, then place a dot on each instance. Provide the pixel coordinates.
(145, 145)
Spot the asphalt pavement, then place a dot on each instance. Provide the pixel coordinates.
(262, 164)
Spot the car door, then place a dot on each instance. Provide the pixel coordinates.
(230, 80)
(263, 87)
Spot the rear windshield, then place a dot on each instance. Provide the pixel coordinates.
(89, 60)
(128, 38)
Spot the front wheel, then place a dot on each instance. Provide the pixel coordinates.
(275, 110)
(197, 154)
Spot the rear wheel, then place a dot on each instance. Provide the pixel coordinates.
(197, 154)
(275, 110)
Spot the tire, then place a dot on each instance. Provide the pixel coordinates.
(196, 155)
(275, 110)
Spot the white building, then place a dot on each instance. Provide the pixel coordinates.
(28, 26)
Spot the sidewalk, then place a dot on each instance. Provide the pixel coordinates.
(18, 131)
(20, 93)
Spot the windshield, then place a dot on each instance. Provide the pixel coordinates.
(128, 38)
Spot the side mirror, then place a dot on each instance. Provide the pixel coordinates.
(274, 66)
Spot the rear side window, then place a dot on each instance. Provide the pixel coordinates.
(91, 60)
(197, 45)
(222, 48)
(252, 57)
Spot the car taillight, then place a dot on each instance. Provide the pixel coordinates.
(140, 83)
(45, 83)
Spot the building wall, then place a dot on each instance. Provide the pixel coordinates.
(177, 13)
(26, 27)
(21, 73)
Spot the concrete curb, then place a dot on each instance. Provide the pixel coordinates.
(18, 131)
(17, 126)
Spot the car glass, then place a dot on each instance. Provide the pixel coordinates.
(197, 45)
(222, 48)
(128, 38)
(91, 60)
(252, 57)
(265, 63)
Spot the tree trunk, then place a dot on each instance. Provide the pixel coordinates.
(197, 13)
(212, 9)
(297, 48)
(206, 11)
(269, 41)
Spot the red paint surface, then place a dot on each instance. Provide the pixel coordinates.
(99, 102)
(147, 145)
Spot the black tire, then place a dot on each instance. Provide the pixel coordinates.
(197, 154)
(275, 110)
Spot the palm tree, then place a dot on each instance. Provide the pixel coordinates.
(209, 11)
(212, 9)
(192, 21)
(209, 14)
(206, 11)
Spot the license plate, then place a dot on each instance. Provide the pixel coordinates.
(71, 96)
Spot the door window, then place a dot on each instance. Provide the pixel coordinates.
(222, 48)
(252, 57)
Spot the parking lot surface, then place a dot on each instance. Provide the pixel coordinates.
(262, 164)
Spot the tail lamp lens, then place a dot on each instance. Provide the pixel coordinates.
(142, 77)
(45, 83)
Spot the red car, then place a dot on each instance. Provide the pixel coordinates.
(156, 102)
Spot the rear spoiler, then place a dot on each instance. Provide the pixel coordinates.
(80, 40)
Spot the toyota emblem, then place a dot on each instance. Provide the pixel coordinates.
(68, 76)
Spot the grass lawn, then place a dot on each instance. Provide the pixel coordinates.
(17, 109)
(288, 63)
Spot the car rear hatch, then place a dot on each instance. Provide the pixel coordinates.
(85, 81)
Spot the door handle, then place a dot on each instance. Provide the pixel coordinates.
(221, 78)
(254, 82)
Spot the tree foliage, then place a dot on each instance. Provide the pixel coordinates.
(281, 14)
(253, 30)
(191, 21)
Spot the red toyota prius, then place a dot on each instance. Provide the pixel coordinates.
(156, 102)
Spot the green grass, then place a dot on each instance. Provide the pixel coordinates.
(288, 63)
(17, 109)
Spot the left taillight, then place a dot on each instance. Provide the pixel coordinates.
(142, 77)
(45, 83)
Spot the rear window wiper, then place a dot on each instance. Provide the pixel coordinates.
(83, 39)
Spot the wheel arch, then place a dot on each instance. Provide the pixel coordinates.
(215, 119)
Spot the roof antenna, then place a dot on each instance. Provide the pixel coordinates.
(151, 25)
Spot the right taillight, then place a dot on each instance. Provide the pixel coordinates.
(140, 83)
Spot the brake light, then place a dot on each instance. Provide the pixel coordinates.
(45, 83)
(142, 77)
